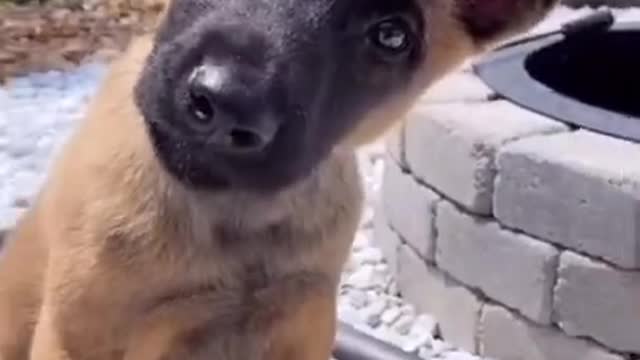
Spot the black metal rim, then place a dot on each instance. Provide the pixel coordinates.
(353, 344)
(504, 71)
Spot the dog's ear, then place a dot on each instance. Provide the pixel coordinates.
(490, 21)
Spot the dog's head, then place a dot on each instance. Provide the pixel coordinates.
(254, 94)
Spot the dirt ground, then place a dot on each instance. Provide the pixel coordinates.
(59, 35)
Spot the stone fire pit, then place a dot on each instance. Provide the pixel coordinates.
(518, 232)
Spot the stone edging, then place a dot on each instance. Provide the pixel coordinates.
(519, 234)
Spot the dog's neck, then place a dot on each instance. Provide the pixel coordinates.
(249, 210)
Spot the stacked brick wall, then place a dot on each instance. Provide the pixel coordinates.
(519, 234)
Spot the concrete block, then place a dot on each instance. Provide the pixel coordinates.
(386, 239)
(595, 300)
(580, 190)
(395, 146)
(459, 86)
(506, 336)
(452, 147)
(512, 269)
(409, 207)
(455, 307)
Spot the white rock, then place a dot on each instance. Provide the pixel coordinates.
(361, 275)
(362, 241)
(391, 315)
(440, 347)
(424, 323)
(416, 340)
(373, 312)
(349, 315)
(366, 220)
(392, 287)
(358, 299)
(403, 324)
(425, 353)
(370, 256)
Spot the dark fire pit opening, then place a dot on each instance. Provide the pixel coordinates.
(602, 70)
(586, 74)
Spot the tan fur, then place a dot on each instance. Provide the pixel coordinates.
(112, 235)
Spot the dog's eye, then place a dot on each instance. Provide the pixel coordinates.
(391, 35)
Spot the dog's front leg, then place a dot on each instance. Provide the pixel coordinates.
(47, 343)
(308, 333)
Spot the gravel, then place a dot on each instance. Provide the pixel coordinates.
(36, 116)
(38, 111)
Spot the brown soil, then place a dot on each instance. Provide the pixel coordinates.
(39, 37)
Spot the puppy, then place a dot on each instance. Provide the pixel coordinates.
(206, 205)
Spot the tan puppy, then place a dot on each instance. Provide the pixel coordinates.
(205, 207)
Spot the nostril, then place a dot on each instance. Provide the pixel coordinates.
(240, 140)
(245, 139)
(201, 107)
(200, 103)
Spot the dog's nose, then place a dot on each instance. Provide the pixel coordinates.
(225, 113)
